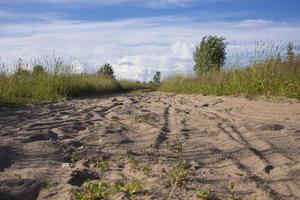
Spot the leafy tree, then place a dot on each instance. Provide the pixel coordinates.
(290, 52)
(156, 77)
(106, 70)
(210, 54)
(38, 69)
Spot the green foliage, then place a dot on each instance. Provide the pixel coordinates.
(133, 188)
(205, 195)
(106, 70)
(48, 185)
(210, 54)
(134, 164)
(74, 156)
(103, 190)
(58, 83)
(103, 165)
(156, 77)
(95, 191)
(18, 176)
(268, 78)
(146, 169)
(177, 174)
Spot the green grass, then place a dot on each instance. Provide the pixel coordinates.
(267, 78)
(22, 88)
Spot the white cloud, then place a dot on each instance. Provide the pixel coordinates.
(254, 23)
(136, 47)
(182, 50)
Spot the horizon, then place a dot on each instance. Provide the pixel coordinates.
(140, 37)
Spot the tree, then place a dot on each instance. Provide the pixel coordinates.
(106, 70)
(156, 77)
(290, 52)
(210, 54)
(38, 69)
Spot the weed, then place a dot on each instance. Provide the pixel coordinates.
(149, 118)
(18, 176)
(104, 165)
(48, 185)
(134, 164)
(146, 169)
(205, 195)
(134, 187)
(74, 156)
(95, 191)
(178, 175)
(115, 118)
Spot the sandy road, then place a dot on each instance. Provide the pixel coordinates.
(226, 141)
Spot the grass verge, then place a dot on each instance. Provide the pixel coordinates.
(268, 78)
(27, 87)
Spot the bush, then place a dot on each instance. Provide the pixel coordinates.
(210, 54)
(106, 70)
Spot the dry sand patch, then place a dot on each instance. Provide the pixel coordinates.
(153, 146)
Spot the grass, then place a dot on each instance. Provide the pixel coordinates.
(57, 82)
(74, 156)
(205, 195)
(266, 78)
(103, 190)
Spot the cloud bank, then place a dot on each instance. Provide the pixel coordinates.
(135, 47)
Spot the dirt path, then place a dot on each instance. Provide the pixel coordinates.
(188, 144)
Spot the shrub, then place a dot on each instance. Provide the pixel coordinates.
(106, 70)
(210, 54)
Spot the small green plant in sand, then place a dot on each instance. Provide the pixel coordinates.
(134, 164)
(205, 195)
(103, 190)
(93, 191)
(178, 174)
(103, 165)
(133, 188)
(18, 176)
(115, 118)
(74, 156)
(146, 119)
(48, 185)
(146, 169)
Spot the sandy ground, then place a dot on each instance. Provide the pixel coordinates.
(234, 147)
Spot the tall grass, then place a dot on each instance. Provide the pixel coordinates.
(267, 75)
(58, 82)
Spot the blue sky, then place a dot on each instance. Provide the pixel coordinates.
(139, 36)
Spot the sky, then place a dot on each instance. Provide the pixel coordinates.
(140, 37)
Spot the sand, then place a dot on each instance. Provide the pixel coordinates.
(232, 146)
